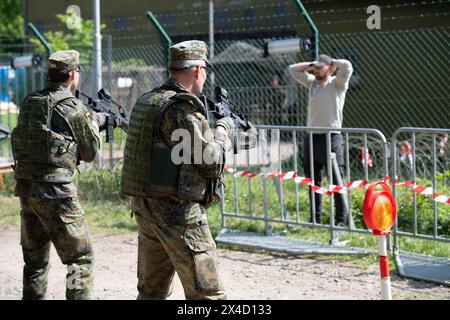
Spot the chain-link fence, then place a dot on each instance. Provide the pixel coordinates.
(398, 79)
(400, 76)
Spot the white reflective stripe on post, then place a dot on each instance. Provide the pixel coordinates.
(382, 247)
(386, 293)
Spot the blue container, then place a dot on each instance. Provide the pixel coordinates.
(4, 95)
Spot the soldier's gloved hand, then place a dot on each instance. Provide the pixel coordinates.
(102, 119)
(249, 138)
(118, 122)
(228, 124)
(224, 133)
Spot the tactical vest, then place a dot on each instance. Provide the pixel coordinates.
(40, 153)
(148, 171)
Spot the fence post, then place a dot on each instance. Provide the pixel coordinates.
(212, 75)
(41, 38)
(312, 26)
(334, 239)
(109, 85)
(394, 191)
(97, 63)
(162, 32)
(33, 79)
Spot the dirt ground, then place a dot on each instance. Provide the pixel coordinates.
(246, 275)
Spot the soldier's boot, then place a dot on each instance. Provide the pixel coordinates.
(35, 272)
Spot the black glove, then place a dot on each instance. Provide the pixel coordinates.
(102, 119)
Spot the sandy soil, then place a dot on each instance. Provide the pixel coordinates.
(246, 275)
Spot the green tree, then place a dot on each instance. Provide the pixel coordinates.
(11, 24)
(78, 38)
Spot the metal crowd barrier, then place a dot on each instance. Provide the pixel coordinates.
(420, 146)
(278, 156)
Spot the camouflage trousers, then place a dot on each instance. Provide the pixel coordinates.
(173, 238)
(63, 223)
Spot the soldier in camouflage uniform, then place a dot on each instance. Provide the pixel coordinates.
(54, 132)
(169, 198)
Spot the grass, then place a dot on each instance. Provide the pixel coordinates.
(10, 210)
(8, 121)
(103, 216)
(109, 217)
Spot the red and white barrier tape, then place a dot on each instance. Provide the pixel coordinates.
(425, 191)
(336, 188)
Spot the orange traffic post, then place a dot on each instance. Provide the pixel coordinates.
(379, 213)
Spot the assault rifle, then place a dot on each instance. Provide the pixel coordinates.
(224, 108)
(105, 104)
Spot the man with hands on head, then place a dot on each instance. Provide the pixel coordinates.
(326, 97)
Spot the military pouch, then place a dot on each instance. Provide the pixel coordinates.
(191, 185)
(28, 145)
(197, 236)
(164, 173)
(70, 210)
(213, 191)
(63, 152)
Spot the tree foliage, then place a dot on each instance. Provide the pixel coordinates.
(11, 23)
(79, 38)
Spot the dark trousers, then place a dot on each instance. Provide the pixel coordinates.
(320, 162)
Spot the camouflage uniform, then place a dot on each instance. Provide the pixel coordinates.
(51, 211)
(174, 234)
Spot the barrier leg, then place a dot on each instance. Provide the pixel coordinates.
(351, 222)
(279, 189)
